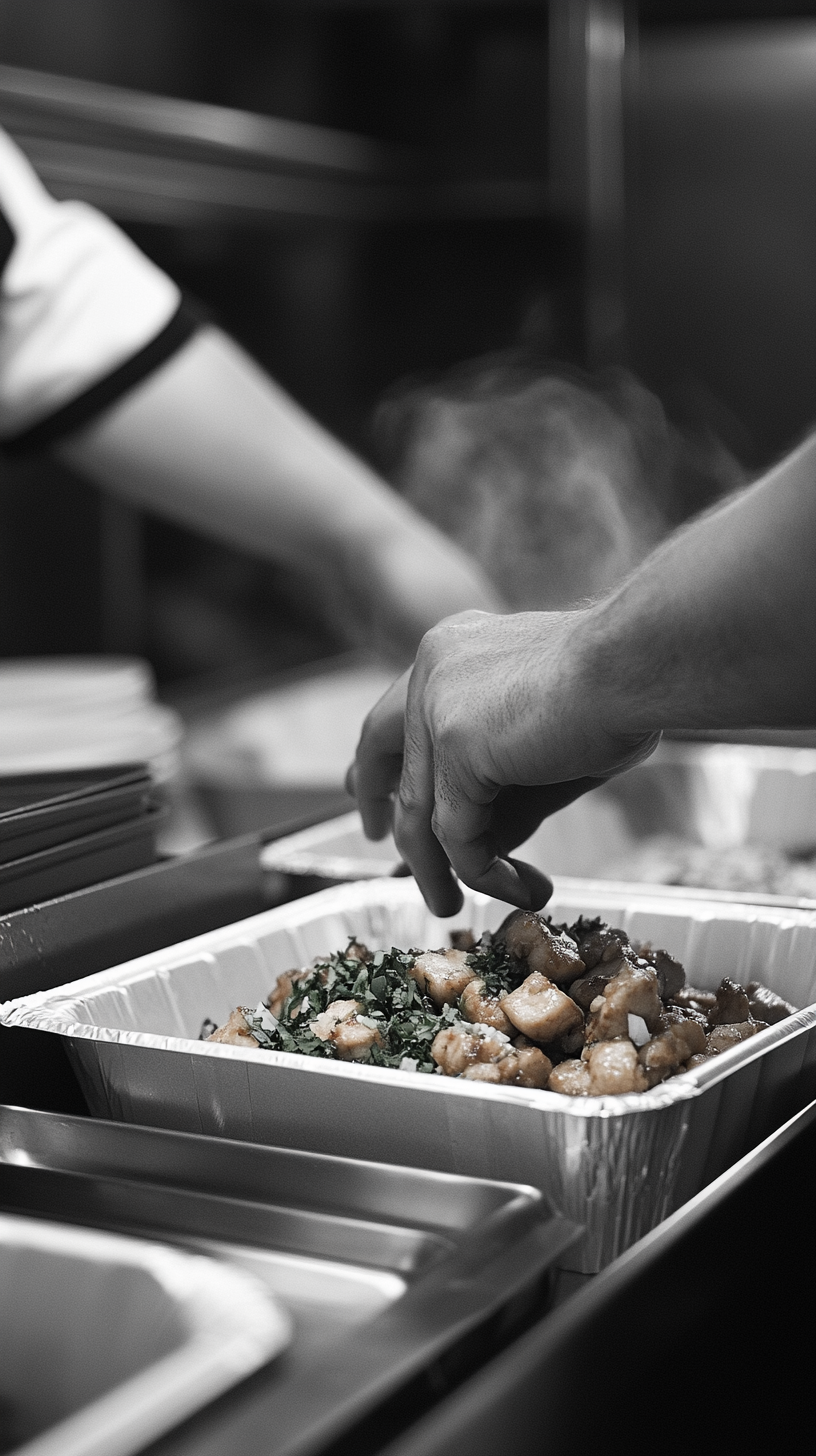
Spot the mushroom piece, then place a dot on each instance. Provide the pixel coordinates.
(463, 940)
(442, 975)
(731, 1004)
(586, 988)
(765, 1005)
(540, 1010)
(528, 938)
(671, 977)
(602, 946)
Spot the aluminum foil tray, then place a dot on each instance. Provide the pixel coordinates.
(108, 1341)
(616, 1165)
(384, 1272)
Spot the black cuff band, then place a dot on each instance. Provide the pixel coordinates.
(81, 410)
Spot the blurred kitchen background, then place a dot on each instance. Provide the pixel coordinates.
(580, 237)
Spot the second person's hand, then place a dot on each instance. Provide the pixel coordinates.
(498, 725)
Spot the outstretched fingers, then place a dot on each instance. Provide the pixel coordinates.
(466, 825)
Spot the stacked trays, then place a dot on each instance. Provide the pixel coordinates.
(616, 1165)
(383, 1276)
(62, 831)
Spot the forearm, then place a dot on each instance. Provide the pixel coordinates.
(211, 440)
(717, 628)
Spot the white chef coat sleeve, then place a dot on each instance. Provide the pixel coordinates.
(84, 315)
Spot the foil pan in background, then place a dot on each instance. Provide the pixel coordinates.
(108, 1341)
(617, 1165)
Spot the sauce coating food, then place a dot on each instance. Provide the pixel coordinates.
(578, 1009)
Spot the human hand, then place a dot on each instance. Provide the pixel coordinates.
(500, 723)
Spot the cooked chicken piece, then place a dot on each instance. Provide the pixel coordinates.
(454, 1050)
(459, 1047)
(614, 1067)
(475, 1005)
(602, 946)
(540, 1010)
(665, 1053)
(534, 1067)
(463, 940)
(325, 1025)
(693, 996)
(722, 1038)
(353, 1039)
(554, 956)
(235, 1031)
(570, 1078)
(586, 988)
(486, 1072)
(357, 952)
(765, 1005)
(442, 975)
(671, 976)
(633, 992)
(525, 1068)
(731, 1004)
(283, 989)
(339, 1025)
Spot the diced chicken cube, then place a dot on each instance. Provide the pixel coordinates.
(476, 1004)
(503, 1065)
(454, 1050)
(570, 1078)
(633, 992)
(665, 1053)
(235, 1031)
(325, 1025)
(614, 1068)
(540, 1010)
(353, 1039)
(534, 1067)
(283, 989)
(723, 1038)
(442, 975)
(339, 1025)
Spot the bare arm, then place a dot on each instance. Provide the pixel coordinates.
(509, 718)
(212, 442)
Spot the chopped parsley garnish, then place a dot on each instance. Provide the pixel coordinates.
(390, 1000)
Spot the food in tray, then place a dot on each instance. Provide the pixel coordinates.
(576, 1009)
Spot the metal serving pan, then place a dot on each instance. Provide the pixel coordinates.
(418, 1265)
(106, 1341)
(616, 1165)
